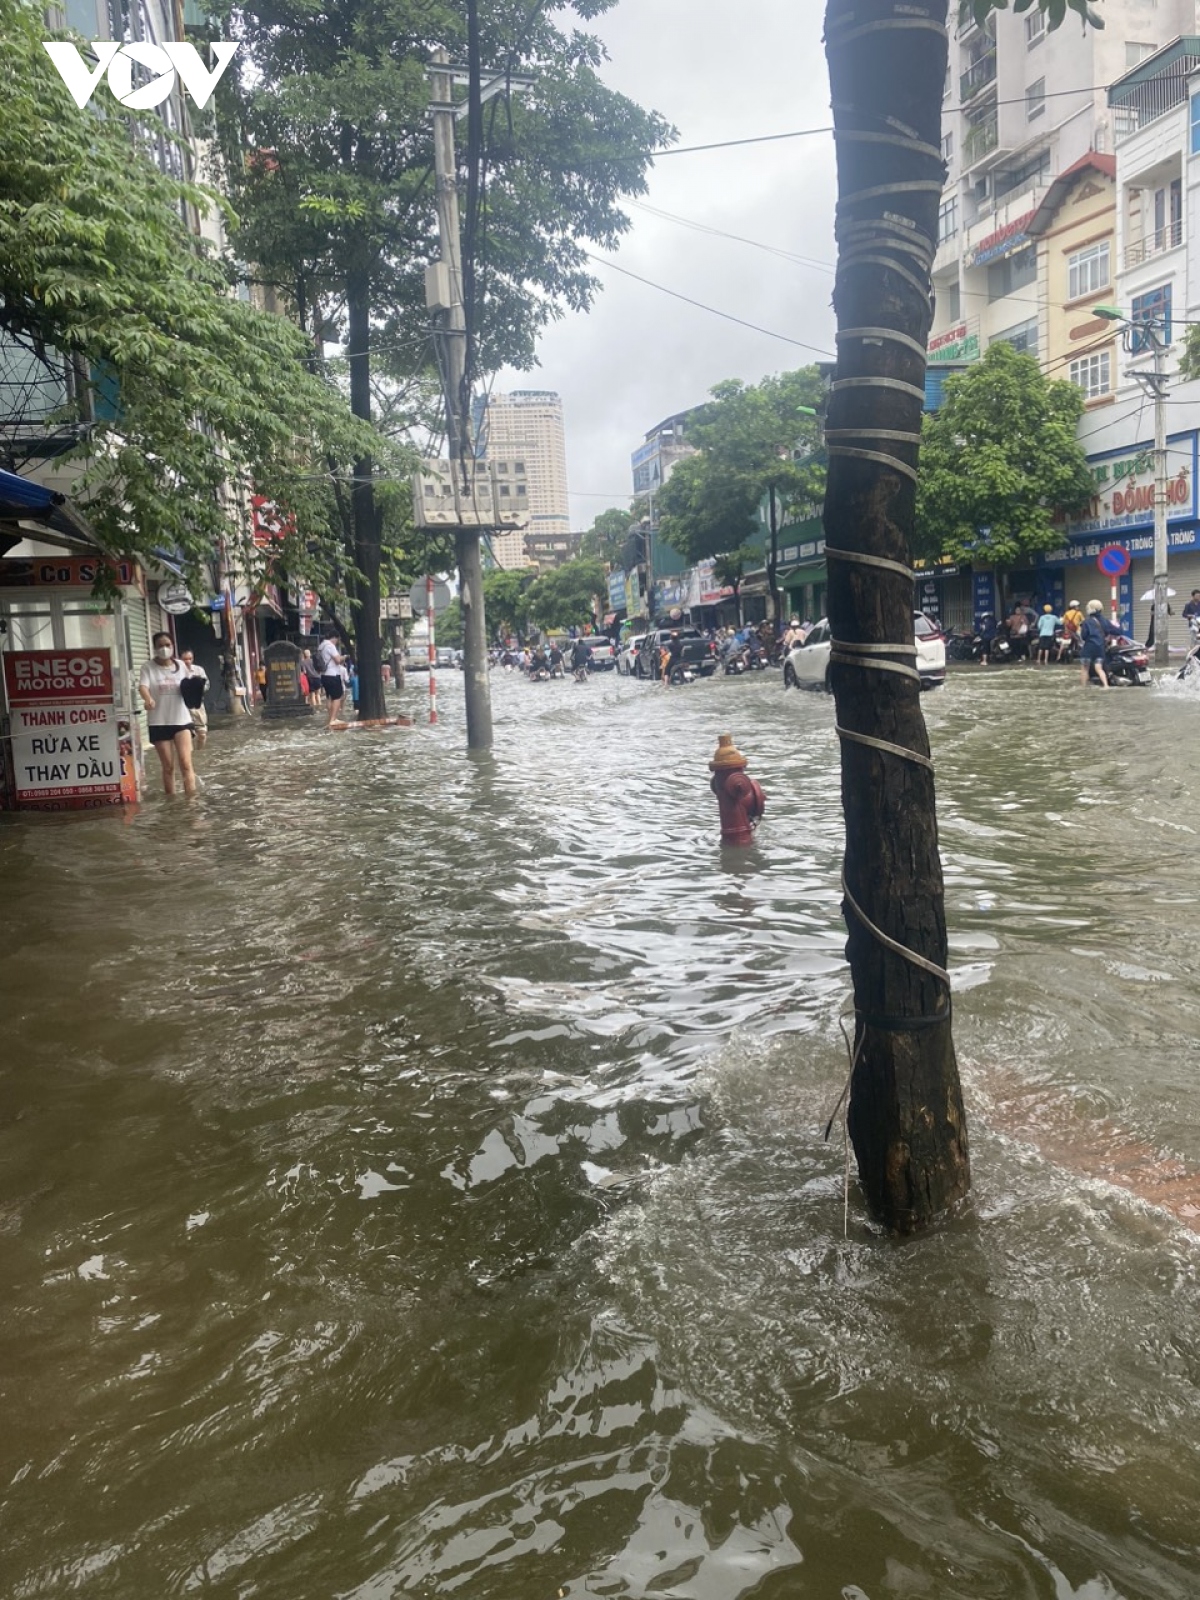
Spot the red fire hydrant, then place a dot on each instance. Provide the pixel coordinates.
(740, 800)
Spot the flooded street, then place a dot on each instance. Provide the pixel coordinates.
(413, 1176)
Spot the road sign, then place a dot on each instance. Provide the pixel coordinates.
(417, 597)
(175, 599)
(1113, 561)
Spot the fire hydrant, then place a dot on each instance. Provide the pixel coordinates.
(739, 798)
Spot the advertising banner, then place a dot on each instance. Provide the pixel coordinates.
(71, 749)
(1124, 496)
(984, 596)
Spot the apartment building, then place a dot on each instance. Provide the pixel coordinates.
(1022, 107)
(522, 433)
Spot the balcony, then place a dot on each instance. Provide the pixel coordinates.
(1155, 244)
(978, 76)
(1153, 88)
(982, 138)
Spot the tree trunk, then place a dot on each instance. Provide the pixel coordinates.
(367, 539)
(887, 67)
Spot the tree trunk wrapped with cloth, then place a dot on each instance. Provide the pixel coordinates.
(887, 68)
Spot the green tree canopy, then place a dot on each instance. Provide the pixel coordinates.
(565, 596)
(1001, 455)
(607, 534)
(179, 389)
(504, 597)
(752, 438)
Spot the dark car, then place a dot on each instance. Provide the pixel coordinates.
(698, 653)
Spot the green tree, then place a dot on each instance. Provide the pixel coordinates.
(329, 149)
(702, 513)
(565, 596)
(757, 441)
(730, 569)
(607, 534)
(887, 70)
(180, 390)
(504, 598)
(1000, 455)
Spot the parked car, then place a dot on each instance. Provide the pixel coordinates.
(699, 653)
(627, 655)
(807, 665)
(446, 655)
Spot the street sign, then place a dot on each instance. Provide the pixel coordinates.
(1113, 561)
(417, 597)
(175, 599)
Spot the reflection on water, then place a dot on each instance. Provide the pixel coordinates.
(414, 1183)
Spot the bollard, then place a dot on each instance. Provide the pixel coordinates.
(739, 798)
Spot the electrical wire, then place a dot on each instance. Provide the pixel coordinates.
(728, 316)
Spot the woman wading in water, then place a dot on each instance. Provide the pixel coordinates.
(168, 719)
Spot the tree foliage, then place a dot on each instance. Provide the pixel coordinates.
(183, 389)
(504, 599)
(1000, 455)
(606, 536)
(565, 596)
(751, 438)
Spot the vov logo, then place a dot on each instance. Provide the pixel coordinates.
(165, 60)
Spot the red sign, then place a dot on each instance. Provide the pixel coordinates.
(64, 572)
(58, 677)
(268, 524)
(68, 746)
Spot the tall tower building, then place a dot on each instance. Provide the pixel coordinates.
(1023, 107)
(523, 434)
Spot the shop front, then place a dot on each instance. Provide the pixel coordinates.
(71, 660)
(1122, 514)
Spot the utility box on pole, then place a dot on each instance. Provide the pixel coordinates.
(468, 494)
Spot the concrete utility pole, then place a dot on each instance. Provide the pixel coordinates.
(458, 408)
(1159, 383)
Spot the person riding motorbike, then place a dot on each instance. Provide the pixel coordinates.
(556, 661)
(581, 654)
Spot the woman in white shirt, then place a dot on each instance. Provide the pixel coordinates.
(169, 721)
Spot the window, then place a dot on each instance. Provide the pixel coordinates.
(1135, 53)
(947, 219)
(1014, 272)
(1035, 29)
(947, 148)
(946, 88)
(1152, 307)
(1087, 271)
(1195, 124)
(1092, 374)
(1035, 99)
(1023, 337)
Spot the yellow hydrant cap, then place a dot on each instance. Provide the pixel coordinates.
(727, 754)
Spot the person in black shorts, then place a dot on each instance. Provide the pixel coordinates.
(329, 659)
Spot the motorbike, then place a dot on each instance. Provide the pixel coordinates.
(963, 646)
(1125, 662)
(1191, 664)
(539, 674)
(681, 673)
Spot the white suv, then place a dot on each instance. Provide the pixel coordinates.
(807, 666)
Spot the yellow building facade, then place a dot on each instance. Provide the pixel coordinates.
(1075, 227)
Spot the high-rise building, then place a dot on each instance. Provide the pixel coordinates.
(522, 433)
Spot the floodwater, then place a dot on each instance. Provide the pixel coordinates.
(412, 1180)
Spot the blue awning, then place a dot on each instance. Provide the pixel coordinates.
(20, 494)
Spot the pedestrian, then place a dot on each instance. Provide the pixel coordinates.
(193, 697)
(1096, 629)
(1072, 620)
(672, 656)
(309, 681)
(167, 717)
(1047, 625)
(329, 661)
(988, 628)
(1191, 611)
(351, 675)
(260, 679)
(1017, 628)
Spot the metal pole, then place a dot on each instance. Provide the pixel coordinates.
(1161, 619)
(476, 690)
(429, 615)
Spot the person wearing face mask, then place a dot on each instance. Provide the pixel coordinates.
(168, 720)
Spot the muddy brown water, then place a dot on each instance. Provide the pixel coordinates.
(412, 1184)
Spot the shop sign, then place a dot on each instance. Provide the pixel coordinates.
(929, 598)
(65, 572)
(792, 553)
(983, 595)
(616, 590)
(670, 594)
(1138, 544)
(1124, 483)
(1011, 237)
(956, 344)
(268, 524)
(633, 595)
(70, 750)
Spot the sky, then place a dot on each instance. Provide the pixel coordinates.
(717, 71)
